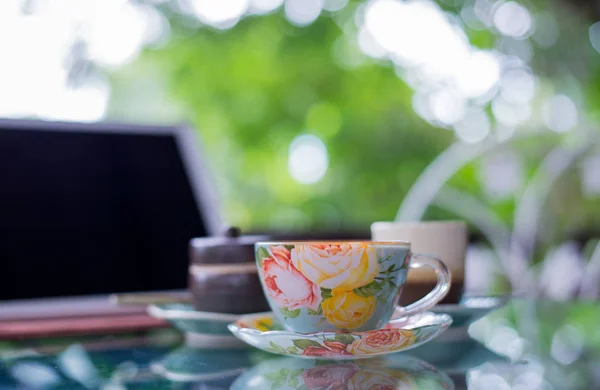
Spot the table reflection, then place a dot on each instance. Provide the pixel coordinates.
(526, 345)
(394, 372)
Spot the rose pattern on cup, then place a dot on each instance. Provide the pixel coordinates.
(286, 285)
(338, 267)
(342, 283)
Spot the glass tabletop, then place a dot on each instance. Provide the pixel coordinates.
(525, 345)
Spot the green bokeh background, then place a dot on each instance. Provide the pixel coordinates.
(250, 90)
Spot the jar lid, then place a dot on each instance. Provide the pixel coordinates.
(231, 247)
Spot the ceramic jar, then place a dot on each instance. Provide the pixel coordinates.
(222, 275)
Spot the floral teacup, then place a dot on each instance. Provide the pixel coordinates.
(329, 286)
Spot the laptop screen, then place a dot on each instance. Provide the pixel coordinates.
(93, 212)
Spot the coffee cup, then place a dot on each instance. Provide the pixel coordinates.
(333, 286)
(443, 239)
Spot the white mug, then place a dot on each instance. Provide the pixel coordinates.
(443, 239)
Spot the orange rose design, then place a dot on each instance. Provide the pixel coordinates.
(285, 284)
(329, 349)
(381, 341)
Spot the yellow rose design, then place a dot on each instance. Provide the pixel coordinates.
(382, 340)
(347, 310)
(341, 267)
(264, 324)
(371, 379)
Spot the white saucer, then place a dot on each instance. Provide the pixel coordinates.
(262, 331)
(471, 309)
(202, 329)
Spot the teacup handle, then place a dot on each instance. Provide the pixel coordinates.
(434, 296)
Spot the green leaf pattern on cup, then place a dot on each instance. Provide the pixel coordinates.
(326, 293)
(317, 312)
(368, 290)
(287, 313)
(262, 253)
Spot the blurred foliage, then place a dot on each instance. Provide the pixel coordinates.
(250, 90)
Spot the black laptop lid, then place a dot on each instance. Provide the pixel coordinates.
(94, 209)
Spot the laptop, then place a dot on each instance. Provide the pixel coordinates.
(88, 210)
